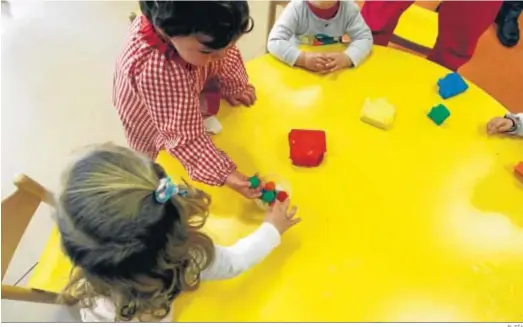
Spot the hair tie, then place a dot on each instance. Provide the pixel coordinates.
(166, 190)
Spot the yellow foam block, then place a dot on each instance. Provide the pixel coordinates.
(378, 113)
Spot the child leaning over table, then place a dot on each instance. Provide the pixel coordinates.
(317, 23)
(173, 51)
(135, 240)
(509, 124)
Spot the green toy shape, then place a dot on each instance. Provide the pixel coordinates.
(268, 196)
(439, 114)
(255, 181)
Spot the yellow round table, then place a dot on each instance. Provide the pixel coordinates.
(418, 223)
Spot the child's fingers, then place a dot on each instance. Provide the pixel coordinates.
(252, 193)
(250, 96)
(498, 126)
(291, 213)
(491, 127)
(284, 206)
(253, 94)
(233, 101)
(255, 194)
(294, 222)
(258, 190)
(318, 65)
(323, 59)
(242, 183)
(336, 67)
(247, 98)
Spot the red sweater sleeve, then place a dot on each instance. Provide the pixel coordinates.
(232, 74)
(165, 89)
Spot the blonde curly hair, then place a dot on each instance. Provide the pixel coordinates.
(125, 246)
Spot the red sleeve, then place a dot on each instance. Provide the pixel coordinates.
(164, 88)
(232, 74)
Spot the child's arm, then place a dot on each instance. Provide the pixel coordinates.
(359, 33)
(232, 74)
(247, 252)
(233, 260)
(279, 43)
(164, 89)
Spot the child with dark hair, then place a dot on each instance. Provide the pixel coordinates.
(174, 50)
(135, 240)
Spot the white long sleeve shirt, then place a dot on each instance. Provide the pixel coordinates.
(518, 124)
(228, 263)
(298, 23)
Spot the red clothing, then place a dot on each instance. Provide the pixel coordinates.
(461, 24)
(324, 13)
(157, 94)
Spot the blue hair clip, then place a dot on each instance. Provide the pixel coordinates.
(166, 190)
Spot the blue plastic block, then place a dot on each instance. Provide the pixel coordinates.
(451, 85)
(439, 114)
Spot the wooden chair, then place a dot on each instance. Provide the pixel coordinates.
(417, 29)
(17, 211)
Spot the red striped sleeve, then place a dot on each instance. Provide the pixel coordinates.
(165, 90)
(232, 74)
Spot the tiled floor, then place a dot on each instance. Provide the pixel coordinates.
(57, 65)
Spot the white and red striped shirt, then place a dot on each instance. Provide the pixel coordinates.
(156, 95)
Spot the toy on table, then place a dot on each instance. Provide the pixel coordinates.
(518, 170)
(271, 192)
(322, 39)
(451, 85)
(378, 113)
(307, 147)
(439, 114)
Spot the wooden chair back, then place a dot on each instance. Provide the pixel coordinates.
(17, 211)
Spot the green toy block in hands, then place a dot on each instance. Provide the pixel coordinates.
(255, 181)
(268, 196)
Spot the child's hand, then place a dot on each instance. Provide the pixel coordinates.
(499, 125)
(247, 97)
(281, 217)
(240, 183)
(336, 61)
(315, 62)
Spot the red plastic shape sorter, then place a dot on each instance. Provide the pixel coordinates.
(308, 147)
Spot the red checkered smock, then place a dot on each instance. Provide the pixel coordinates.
(156, 95)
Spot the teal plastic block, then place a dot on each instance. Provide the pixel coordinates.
(268, 196)
(255, 181)
(439, 114)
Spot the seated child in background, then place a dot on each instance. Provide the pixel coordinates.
(510, 124)
(135, 239)
(176, 51)
(303, 21)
